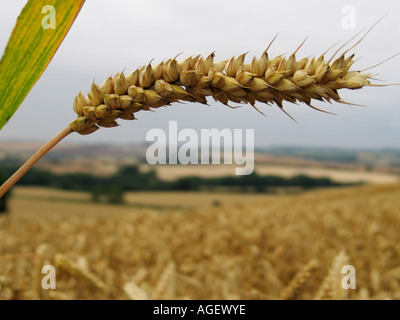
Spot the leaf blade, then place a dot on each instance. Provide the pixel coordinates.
(30, 50)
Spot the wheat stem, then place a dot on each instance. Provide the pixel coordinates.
(32, 160)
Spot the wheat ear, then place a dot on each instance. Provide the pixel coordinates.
(264, 80)
(78, 271)
(294, 288)
(196, 78)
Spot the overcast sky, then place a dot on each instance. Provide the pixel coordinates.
(109, 36)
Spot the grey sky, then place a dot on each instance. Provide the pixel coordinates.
(109, 36)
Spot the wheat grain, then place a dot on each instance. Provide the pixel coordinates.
(264, 80)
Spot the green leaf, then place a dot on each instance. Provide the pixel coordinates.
(39, 31)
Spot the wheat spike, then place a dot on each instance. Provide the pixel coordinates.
(264, 80)
(165, 286)
(294, 288)
(79, 270)
(331, 287)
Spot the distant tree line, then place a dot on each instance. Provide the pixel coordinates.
(253, 183)
(128, 178)
(103, 189)
(131, 178)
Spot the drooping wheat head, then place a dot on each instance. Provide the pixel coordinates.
(264, 80)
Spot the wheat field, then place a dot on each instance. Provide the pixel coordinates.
(282, 247)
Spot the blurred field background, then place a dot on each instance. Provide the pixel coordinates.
(116, 228)
(208, 244)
